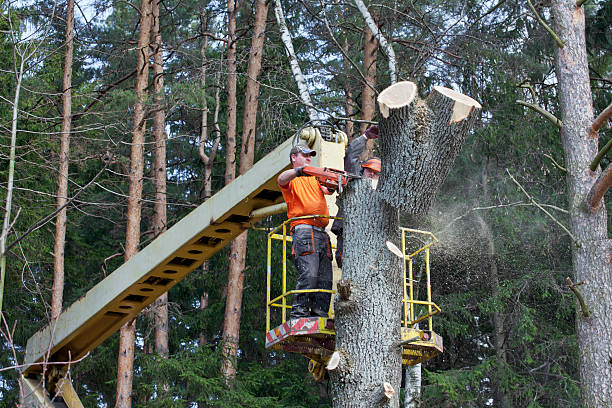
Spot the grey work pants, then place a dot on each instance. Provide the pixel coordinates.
(312, 257)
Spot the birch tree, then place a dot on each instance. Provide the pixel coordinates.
(293, 61)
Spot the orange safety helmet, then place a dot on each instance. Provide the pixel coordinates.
(373, 163)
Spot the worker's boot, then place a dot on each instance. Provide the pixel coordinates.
(299, 309)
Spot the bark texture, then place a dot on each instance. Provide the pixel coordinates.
(421, 141)
(160, 308)
(412, 395)
(134, 205)
(591, 259)
(230, 142)
(233, 305)
(368, 96)
(64, 155)
(368, 323)
(209, 159)
(349, 100)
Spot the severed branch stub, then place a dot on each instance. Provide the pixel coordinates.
(384, 393)
(574, 287)
(599, 189)
(420, 139)
(333, 362)
(344, 289)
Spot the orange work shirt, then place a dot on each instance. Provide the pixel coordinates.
(303, 196)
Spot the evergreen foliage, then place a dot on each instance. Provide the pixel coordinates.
(483, 51)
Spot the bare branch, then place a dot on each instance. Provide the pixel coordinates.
(600, 120)
(576, 242)
(543, 112)
(574, 288)
(557, 165)
(381, 39)
(599, 189)
(546, 27)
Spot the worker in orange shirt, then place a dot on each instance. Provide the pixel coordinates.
(312, 252)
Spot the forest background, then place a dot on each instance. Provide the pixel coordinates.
(499, 271)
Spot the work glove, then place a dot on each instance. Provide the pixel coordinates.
(372, 132)
(299, 171)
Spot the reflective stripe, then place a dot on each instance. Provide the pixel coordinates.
(307, 226)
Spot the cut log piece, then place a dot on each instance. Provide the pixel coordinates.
(420, 140)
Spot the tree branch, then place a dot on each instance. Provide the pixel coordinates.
(599, 189)
(574, 288)
(44, 220)
(542, 208)
(600, 120)
(543, 112)
(293, 62)
(550, 30)
(557, 165)
(381, 39)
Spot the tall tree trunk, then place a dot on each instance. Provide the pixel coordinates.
(367, 322)
(499, 335)
(6, 223)
(159, 168)
(64, 154)
(368, 96)
(236, 250)
(207, 160)
(230, 143)
(422, 138)
(349, 99)
(132, 236)
(591, 257)
(233, 305)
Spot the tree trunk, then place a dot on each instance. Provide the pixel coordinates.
(368, 96)
(381, 39)
(499, 337)
(230, 143)
(132, 236)
(591, 259)
(367, 323)
(159, 168)
(499, 334)
(64, 154)
(6, 223)
(207, 160)
(412, 397)
(349, 99)
(427, 136)
(368, 320)
(233, 305)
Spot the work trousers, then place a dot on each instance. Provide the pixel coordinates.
(312, 257)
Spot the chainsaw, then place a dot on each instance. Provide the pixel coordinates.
(330, 178)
